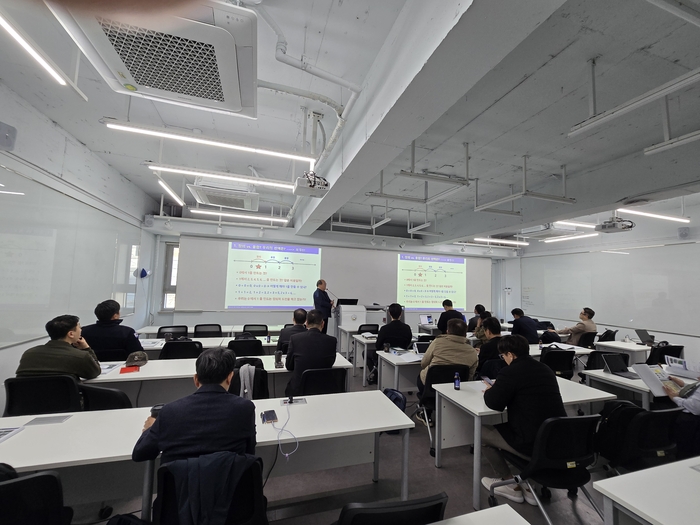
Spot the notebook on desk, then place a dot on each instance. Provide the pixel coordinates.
(614, 364)
(426, 319)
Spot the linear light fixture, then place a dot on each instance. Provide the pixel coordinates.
(572, 237)
(502, 241)
(353, 225)
(464, 244)
(610, 251)
(219, 175)
(11, 193)
(22, 41)
(238, 215)
(576, 224)
(170, 191)
(419, 227)
(381, 223)
(654, 215)
(678, 141)
(198, 139)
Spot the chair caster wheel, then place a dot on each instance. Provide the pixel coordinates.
(573, 493)
(432, 451)
(492, 501)
(545, 493)
(105, 512)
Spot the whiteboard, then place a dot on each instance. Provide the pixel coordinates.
(652, 288)
(58, 256)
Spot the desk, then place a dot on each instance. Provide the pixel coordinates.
(150, 332)
(604, 381)
(170, 379)
(662, 495)
(637, 353)
(501, 515)
(268, 348)
(535, 351)
(358, 341)
(394, 372)
(430, 329)
(152, 347)
(344, 338)
(452, 429)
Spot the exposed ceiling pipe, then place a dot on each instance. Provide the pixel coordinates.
(679, 9)
(262, 84)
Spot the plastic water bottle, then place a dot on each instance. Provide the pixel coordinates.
(540, 345)
(457, 381)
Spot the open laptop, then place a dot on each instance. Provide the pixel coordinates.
(422, 346)
(644, 337)
(426, 319)
(614, 364)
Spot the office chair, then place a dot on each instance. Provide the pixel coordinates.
(27, 396)
(181, 350)
(607, 335)
(177, 331)
(284, 347)
(246, 347)
(371, 328)
(207, 330)
(248, 504)
(560, 361)
(36, 498)
(323, 381)
(288, 325)
(437, 374)
(260, 386)
(415, 512)
(100, 398)
(658, 354)
(562, 451)
(595, 362)
(587, 340)
(257, 330)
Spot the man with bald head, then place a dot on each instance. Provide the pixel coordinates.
(323, 303)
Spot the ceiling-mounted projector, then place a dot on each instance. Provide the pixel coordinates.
(614, 225)
(311, 185)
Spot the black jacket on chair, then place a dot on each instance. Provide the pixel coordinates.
(308, 350)
(527, 328)
(287, 333)
(396, 333)
(488, 351)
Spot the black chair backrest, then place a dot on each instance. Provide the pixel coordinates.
(415, 512)
(323, 381)
(284, 347)
(113, 354)
(288, 325)
(607, 335)
(246, 347)
(181, 350)
(441, 374)
(244, 335)
(207, 330)
(426, 338)
(658, 354)
(256, 329)
(560, 361)
(248, 505)
(562, 442)
(253, 361)
(100, 398)
(595, 359)
(27, 396)
(649, 439)
(587, 340)
(491, 368)
(371, 328)
(177, 331)
(36, 498)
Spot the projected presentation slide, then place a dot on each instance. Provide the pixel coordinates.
(424, 281)
(265, 276)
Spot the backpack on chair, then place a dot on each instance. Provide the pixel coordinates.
(550, 337)
(609, 439)
(398, 399)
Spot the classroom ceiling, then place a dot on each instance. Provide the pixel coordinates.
(524, 105)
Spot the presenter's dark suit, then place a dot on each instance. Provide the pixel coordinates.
(527, 328)
(446, 316)
(210, 420)
(307, 351)
(323, 303)
(287, 333)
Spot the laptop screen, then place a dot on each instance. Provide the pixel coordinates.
(644, 336)
(614, 363)
(426, 319)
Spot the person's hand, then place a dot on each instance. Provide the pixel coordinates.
(550, 330)
(332, 303)
(148, 423)
(677, 380)
(81, 344)
(670, 393)
(486, 385)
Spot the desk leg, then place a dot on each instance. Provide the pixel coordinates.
(364, 363)
(437, 444)
(380, 367)
(476, 481)
(147, 497)
(375, 476)
(646, 400)
(404, 465)
(396, 377)
(608, 511)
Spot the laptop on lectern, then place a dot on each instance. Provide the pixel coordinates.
(644, 337)
(614, 364)
(426, 319)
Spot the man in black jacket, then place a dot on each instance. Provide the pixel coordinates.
(396, 333)
(489, 350)
(309, 350)
(530, 391)
(297, 328)
(323, 303)
(523, 325)
(449, 313)
(108, 334)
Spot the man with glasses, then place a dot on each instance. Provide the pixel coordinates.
(584, 325)
(530, 392)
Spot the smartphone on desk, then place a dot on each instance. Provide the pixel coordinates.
(269, 416)
(487, 380)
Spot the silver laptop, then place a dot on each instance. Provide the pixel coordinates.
(644, 337)
(426, 319)
(614, 364)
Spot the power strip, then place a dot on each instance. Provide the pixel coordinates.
(297, 401)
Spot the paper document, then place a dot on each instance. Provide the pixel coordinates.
(151, 343)
(106, 369)
(369, 335)
(682, 368)
(655, 378)
(410, 357)
(475, 386)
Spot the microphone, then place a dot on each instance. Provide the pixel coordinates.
(331, 293)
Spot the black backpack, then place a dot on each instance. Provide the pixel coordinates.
(550, 337)
(615, 417)
(398, 399)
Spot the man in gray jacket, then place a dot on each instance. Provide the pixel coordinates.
(583, 326)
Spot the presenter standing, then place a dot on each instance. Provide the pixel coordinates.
(322, 302)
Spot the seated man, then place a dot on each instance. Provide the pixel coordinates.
(66, 353)
(298, 327)
(489, 350)
(309, 350)
(530, 391)
(210, 420)
(449, 313)
(396, 333)
(523, 325)
(448, 349)
(479, 331)
(472, 323)
(108, 334)
(583, 326)
(686, 429)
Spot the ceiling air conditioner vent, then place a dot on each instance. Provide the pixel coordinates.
(239, 200)
(205, 58)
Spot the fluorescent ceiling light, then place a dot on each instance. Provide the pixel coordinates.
(609, 251)
(238, 215)
(352, 225)
(502, 241)
(29, 49)
(419, 227)
(198, 139)
(572, 237)
(381, 223)
(654, 215)
(171, 192)
(11, 193)
(678, 141)
(577, 224)
(220, 175)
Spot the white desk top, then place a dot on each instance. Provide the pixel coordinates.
(501, 515)
(506, 326)
(471, 395)
(661, 495)
(536, 352)
(396, 359)
(630, 384)
(625, 347)
(225, 328)
(207, 342)
(273, 340)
